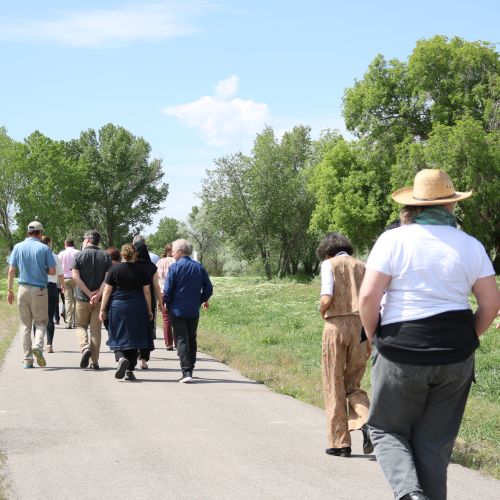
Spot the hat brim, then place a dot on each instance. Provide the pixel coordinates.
(404, 196)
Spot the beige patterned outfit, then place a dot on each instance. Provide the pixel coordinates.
(343, 356)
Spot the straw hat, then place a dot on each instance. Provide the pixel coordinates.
(430, 187)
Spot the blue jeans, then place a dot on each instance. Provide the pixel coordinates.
(414, 418)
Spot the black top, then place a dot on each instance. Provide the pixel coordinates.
(127, 276)
(441, 339)
(93, 265)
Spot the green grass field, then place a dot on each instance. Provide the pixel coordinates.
(271, 332)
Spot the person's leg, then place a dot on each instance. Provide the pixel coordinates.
(57, 316)
(356, 359)
(26, 321)
(83, 321)
(70, 302)
(192, 326)
(333, 364)
(435, 434)
(167, 328)
(40, 312)
(53, 295)
(180, 328)
(399, 394)
(131, 355)
(95, 333)
(144, 354)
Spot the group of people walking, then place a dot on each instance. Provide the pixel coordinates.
(117, 288)
(410, 302)
(407, 306)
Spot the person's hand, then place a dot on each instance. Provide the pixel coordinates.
(205, 306)
(63, 288)
(96, 297)
(102, 316)
(10, 297)
(150, 315)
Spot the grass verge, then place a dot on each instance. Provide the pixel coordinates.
(271, 332)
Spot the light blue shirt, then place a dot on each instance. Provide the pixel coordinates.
(33, 258)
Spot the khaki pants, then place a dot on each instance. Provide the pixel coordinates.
(87, 317)
(33, 304)
(344, 362)
(70, 303)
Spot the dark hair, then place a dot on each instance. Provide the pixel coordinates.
(332, 244)
(93, 236)
(69, 243)
(114, 253)
(408, 213)
(45, 239)
(167, 252)
(142, 252)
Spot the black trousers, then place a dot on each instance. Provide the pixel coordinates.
(131, 355)
(185, 338)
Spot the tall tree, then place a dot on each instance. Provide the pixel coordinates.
(168, 230)
(124, 185)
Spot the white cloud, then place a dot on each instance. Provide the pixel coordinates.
(223, 121)
(137, 22)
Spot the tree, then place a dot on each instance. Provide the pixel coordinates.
(168, 230)
(10, 157)
(125, 187)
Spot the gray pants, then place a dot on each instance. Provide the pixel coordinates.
(414, 418)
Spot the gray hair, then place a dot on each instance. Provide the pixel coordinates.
(138, 238)
(93, 236)
(182, 246)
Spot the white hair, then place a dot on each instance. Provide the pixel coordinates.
(182, 246)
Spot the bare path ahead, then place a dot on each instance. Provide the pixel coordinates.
(70, 433)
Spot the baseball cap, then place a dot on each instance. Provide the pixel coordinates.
(35, 226)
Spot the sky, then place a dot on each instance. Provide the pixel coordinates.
(199, 79)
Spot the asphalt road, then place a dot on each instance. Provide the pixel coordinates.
(72, 433)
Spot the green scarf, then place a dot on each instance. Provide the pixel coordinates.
(436, 216)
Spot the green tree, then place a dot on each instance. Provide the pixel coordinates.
(125, 187)
(168, 230)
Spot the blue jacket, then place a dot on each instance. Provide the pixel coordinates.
(187, 286)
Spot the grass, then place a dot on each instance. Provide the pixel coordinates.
(271, 332)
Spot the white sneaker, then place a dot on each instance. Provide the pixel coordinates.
(186, 378)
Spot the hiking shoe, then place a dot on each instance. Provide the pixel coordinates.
(94, 366)
(130, 376)
(186, 378)
(84, 362)
(339, 452)
(39, 357)
(28, 364)
(50, 348)
(122, 367)
(367, 442)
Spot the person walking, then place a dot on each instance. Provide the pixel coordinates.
(186, 288)
(54, 282)
(163, 266)
(88, 270)
(67, 257)
(35, 262)
(344, 355)
(423, 356)
(143, 260)
(128, 289)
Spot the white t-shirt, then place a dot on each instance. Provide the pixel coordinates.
(326, 274)
(432, 270)
(54, 278)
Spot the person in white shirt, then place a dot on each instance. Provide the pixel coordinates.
(67, 257)
(53, 293)
(424, 335)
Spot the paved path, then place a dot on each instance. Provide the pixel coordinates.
(70, 433)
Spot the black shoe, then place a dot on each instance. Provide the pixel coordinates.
(339, 452)
(130, 376)
(415, 495)
(122, 367)
(94, 366)
(56, 322)
(367, 442)
(84, 362)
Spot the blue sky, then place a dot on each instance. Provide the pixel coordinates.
(198, 79)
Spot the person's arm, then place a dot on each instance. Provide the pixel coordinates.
(157, 290)
(79, 283)
(51, 270)
(105, 298)
(11, 273)
(206, 288)
(488, 303)
(324, 304)
(147, 295)
(370, 295)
